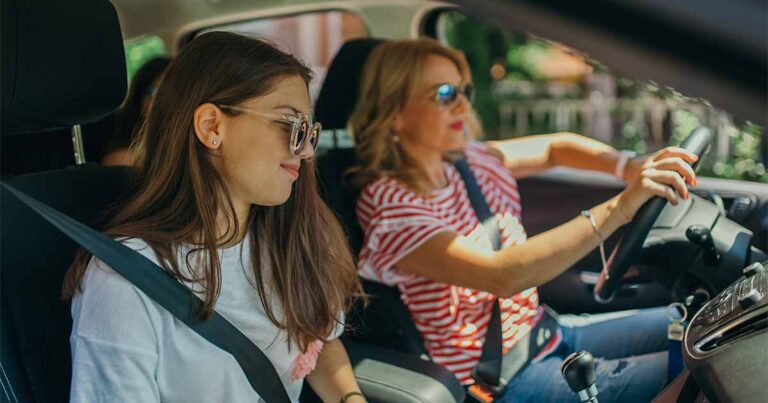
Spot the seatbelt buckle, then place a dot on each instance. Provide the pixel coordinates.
(676, 327)
(480, 393)
(484, 391)
(675, 331)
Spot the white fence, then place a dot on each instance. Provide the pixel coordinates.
(604, 118)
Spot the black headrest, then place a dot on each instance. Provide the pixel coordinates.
(339, 92)
(63, 63)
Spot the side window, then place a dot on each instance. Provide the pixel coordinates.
(140, 51)
(313, 37)
(528, 85)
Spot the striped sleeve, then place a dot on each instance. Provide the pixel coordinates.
(395, 222)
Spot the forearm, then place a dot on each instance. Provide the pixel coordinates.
(332, 377)
(544, 256)
(524, 156)
(576, 151)
(532, 154)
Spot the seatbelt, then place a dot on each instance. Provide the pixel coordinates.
(675, 333)
(157, 284)
(489, 368)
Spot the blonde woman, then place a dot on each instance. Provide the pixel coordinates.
(421, 234)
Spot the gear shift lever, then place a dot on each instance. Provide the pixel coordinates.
(578, 369)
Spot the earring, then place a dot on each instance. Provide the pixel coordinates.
(214, 142)
(395, 137)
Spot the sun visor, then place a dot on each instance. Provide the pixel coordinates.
(63, 63)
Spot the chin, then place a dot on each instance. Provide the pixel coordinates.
(457, 145)
(274, 199)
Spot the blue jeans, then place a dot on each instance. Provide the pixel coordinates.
(630, 348)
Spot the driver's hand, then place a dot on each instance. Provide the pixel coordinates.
(659, 174)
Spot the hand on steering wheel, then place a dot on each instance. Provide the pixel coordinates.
(650, 187)
(660, 174)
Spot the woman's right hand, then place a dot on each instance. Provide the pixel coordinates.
(662, 173)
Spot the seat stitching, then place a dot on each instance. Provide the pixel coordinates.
(10, 387)
(5, 391)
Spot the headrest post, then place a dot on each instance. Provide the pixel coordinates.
(335, 139)
(77, 144)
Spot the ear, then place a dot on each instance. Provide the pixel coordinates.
(207, 122)
(398, 123)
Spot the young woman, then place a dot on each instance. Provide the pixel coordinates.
(226, 203)
(134, 111)
(422, 235)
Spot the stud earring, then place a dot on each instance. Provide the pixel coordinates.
(214, 142)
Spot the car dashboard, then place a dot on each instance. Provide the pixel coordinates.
(726, 345)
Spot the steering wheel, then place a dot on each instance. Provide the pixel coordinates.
(628, 249)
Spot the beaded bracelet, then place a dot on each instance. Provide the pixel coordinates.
(591, 218)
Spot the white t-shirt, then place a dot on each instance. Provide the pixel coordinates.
(126, 347)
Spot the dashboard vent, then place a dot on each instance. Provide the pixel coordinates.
(734, 330)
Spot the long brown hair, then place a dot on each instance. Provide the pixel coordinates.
(298, 249)
(390, 75)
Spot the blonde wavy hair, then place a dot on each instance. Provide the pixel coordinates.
(391, 74)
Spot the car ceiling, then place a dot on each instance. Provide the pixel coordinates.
(173, 20)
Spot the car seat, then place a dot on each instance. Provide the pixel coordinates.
(386, 320)
(53, 77)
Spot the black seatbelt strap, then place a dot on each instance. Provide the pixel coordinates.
(157, 284)
(489, 368)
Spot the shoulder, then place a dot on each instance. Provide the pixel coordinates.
(490, 171)
(483, 159)
(385, 189)
(97, 270)
(106, 294)
(386, 205)
(481, 154)
(386, 193)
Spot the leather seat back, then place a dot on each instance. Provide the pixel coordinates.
(34, 257)
(63, 64)
(386, 320)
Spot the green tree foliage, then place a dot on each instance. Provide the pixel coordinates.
(139, 51)
(482, 43)
(485, 44)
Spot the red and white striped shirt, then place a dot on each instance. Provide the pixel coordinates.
(452, 319)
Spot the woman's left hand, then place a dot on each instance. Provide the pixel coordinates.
(658, 159)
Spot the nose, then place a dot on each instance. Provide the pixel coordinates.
(461, 105)
(307, 151)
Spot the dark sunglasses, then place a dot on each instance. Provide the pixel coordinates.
(447, 94)
(302, 126)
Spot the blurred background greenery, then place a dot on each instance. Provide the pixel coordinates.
(526, 85)
(142, 50)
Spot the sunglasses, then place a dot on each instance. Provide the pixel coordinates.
(303, 128)
(447, 94)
